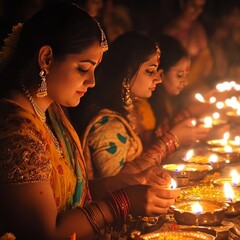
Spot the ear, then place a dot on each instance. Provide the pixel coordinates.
(45, 57)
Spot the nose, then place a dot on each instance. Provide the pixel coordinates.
(158, 78)
(90, 81)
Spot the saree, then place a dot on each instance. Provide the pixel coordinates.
(28, 154)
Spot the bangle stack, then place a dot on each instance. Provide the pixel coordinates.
(163, 147)
(119, 205)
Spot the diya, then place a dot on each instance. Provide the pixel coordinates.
(176, 235)
(190, 171)
(199, 212)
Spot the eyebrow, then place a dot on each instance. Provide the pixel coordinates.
(153, 65)
(88, 61)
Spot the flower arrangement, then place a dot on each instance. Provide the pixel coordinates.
(8, 236)
(9, 44)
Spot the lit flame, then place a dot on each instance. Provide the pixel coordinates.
(179, 168)
(216, 115)
(194, 122)
(207, 122)
(235, 177)
(225, 139)
(237, 140)
(197, 208)
(189, 154)
(220, 105)
(213, 158)
(173, 184)
(199, 97)
(228, 149)
(228, 191)
(212, 100)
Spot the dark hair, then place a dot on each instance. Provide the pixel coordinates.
(63, 26)
(171, 52)
(122, 60)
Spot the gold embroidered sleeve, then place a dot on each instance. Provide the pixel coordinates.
(24, 156)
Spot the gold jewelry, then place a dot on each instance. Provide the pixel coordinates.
(104, 43)
(42, 117)
(126, 98)
(37, 109)
(42, 90)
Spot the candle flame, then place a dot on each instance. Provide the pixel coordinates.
(216, 115)
(213, 158)
(199, 97)
(197, 208)
(207, 122)
(228, 149)
(179, 168)
(220, 105)
(212, 100)
(173, 184)
(237, 140)
(229, 193)
(189, 154)
(235, 177)
(194, 122)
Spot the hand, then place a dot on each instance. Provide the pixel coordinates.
(154, 176)
(187, 133)
(150, 201)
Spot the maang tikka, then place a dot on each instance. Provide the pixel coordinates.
(42, 90)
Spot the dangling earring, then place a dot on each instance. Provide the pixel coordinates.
(126, 98)
(42, 90)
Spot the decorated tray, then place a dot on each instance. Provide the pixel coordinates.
(177, 235)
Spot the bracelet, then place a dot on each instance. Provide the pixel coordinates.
(91, 217)
(119, 205)
(103, 215)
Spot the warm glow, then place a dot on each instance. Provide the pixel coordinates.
(199, 97)
(220, 105)
(213, 158)
(228, 149)
(173, 184)
(228, 191)
(207, 122)
(179, 168)
(225, 139)
(197, 208)
(189, 154)
(212, 100)
(235, 177)
(193, 122)
(216, 115)
(237, 140)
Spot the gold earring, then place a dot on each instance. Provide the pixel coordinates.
(126, 98)
(42, 90)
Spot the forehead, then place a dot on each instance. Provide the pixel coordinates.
(152, 60)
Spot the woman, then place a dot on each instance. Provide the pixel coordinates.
(43, 181)
(111, 140)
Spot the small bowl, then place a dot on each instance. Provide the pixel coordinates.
(212, 215)
(221, 180)
(191, 171)
(180, 235)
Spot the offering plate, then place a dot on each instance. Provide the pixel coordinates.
(212, 213)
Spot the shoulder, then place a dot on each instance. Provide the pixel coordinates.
(23, 150)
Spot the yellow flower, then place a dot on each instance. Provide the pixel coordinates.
(8, 236)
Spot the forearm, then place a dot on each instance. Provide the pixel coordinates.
(162, 148)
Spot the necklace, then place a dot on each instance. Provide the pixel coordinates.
(42, 117)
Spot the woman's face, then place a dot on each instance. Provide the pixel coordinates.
(68, 80)
(145, 80)
(193, 8)
(175, 79)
